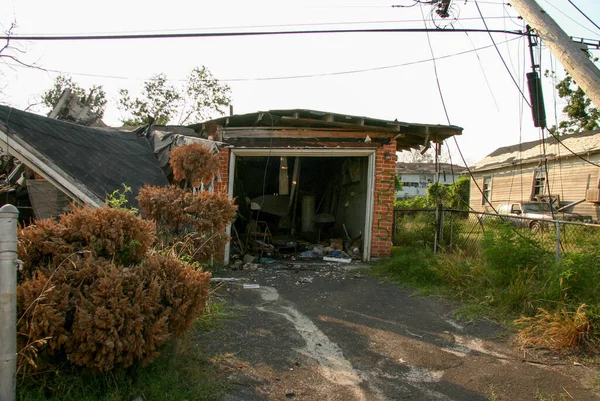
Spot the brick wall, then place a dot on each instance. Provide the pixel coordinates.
(383, 212)
(223, 186)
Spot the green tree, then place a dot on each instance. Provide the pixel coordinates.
(94, 97)
(581, 115)
(161, 102)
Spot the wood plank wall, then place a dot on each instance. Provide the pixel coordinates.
(568, 177)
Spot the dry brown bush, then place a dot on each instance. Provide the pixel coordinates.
(194, 164)
(92, 293)
(557, 331)
(197, 222)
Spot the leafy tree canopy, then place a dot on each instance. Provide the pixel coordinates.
(199, 98)
(94, 97)
(581, 115)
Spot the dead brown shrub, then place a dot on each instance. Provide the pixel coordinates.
(92, 293)
(560, 330)
(197, 221)
(193, 164)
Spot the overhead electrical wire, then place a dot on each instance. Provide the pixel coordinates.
(503, 17)
(448, 117)
(247, 33)
(324, 74)
(500, 54)
(487, 82)
(555, 109)
(582, 13)
(573, 20)
(569, 149)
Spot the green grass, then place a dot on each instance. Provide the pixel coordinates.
(512, 276)
(181, 372)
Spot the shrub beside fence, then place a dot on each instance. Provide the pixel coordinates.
(451, 230)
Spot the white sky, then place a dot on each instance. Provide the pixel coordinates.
(479, 94)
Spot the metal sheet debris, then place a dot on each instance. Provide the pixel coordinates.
(341, 260)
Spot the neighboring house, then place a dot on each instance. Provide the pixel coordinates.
(569, 178)
(304, 173)
(48, 163)
(416, 177)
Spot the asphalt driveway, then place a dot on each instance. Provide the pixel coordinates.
(309, 331)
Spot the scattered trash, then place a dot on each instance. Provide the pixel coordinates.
(358, 275)
(250, 266)
(335, 254)
(289, 393)
(251, 286)
(222, 279)
(248, 258)
(307, 255)
(267, 261)
(337, 244)
(318, 250)
(340, 260)
(237, 265)
(305, 280)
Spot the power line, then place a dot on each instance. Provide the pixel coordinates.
(487, 82)
(500, 54)
(448, 119)
(437, 79)
(569, 149)
(573, 20)
(324, 74)
(503, 17)
(582, 13)
(248, 33)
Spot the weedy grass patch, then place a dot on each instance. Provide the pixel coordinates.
(513, 279)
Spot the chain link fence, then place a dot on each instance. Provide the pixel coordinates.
(451, 230)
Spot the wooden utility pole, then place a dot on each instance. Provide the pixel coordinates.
(575, 61)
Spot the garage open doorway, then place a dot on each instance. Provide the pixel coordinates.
(294, 202)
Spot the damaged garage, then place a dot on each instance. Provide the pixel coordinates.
(313, 184)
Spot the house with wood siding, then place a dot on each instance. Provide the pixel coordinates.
(564, 170)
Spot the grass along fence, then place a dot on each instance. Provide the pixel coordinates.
(543, 280)
(450, 230)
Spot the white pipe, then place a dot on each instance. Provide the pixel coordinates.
(8, 302)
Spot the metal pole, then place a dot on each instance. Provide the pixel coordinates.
(557, 240)
(577, 63)
(451, 229)
(8, 302)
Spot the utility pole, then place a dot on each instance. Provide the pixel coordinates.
(575, 61)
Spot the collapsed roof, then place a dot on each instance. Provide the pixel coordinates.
(86, 163)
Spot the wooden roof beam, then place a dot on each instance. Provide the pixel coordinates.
(258, 133)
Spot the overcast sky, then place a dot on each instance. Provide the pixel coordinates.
(379, 75)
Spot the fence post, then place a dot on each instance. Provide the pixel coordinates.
(438, 219)
(8, 302)
(451, 229)
(557, 240)
(394, 218)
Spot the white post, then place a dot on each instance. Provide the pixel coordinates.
(8, 302)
